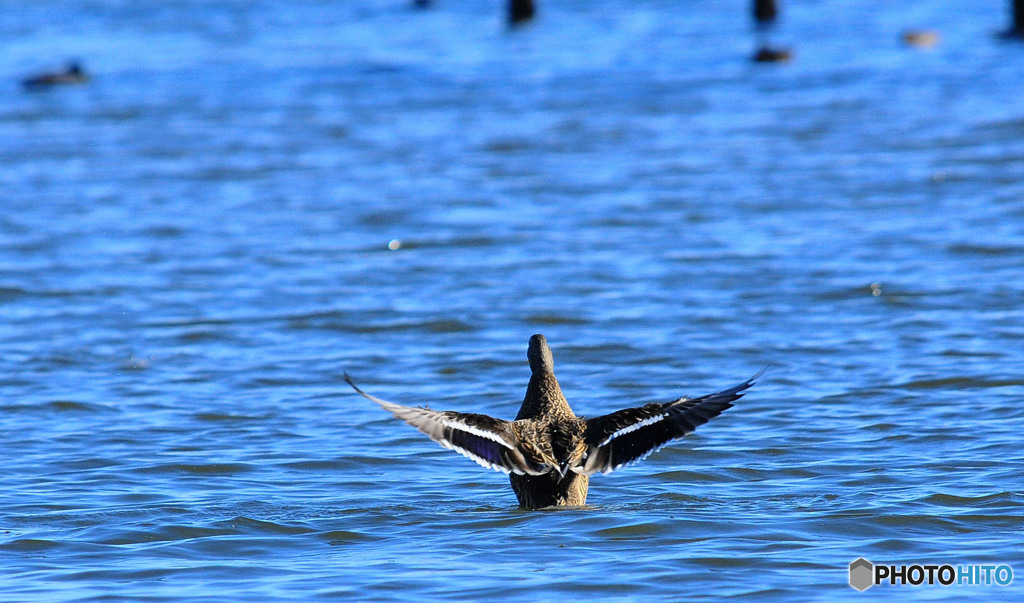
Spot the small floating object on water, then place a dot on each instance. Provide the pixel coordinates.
(920, 38)
(136, 363)
(520, 11)
(549, 452)
(767, 54)
(72, 74)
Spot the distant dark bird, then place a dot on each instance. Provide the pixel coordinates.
(520, 11)
(422, 3)
(765, 11)
(767, 54)
(72, 74)
(549, 452)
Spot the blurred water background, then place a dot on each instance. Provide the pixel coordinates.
(250, 198)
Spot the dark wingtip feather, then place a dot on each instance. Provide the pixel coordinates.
(352, 383)
(722, 399)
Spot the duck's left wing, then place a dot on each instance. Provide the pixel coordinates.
(491, 442)
(627, 436)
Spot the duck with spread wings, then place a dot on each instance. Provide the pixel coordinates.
(549, 452)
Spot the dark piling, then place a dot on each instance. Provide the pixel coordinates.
(520, 11)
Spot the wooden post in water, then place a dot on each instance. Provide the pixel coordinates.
(765, 11)
(520, 11)
(1016, 29)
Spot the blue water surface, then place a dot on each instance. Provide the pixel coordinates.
(250, 198)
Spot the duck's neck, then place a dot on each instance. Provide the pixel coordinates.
(544, 398)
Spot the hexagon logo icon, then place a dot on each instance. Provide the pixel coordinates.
(862, 574)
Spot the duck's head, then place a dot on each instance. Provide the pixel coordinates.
(539, 355)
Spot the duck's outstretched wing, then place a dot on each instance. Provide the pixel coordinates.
(627, 436)
(490, 442)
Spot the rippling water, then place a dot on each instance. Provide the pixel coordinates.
(197, 244)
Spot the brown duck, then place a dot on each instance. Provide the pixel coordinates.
(549, 452)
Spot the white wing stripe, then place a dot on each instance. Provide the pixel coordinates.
(479, 460)
(477, 432)
(633, 427)
(426, 417)
(430, 421)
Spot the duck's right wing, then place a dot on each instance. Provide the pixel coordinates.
(629, 435)
(491, 442)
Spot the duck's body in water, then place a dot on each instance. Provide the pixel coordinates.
(547, 414)
(549, 452)
(72, 74)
